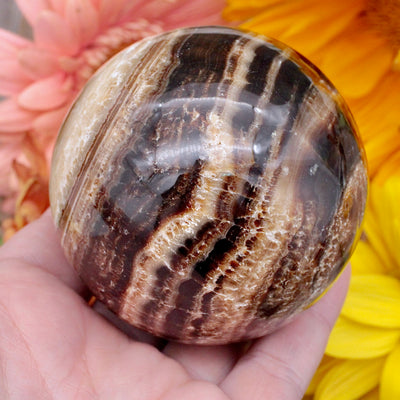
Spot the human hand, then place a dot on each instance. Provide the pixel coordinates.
(54, 346)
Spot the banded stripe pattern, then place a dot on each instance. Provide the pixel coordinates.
(208, 185)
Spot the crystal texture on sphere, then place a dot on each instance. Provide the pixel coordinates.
(208, 184)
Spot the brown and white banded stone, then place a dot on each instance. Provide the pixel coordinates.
(208, 184)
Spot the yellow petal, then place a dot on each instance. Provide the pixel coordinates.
(365, 260)
(385, 201)
(356, 60)
(240, 10)
(379, 121)
(396, 62)
(326, 364)
(350, 379)
(390, 168)
(295, 22)
(274, 21)
(350, 339)
(372, 395)
(333, 17)
(373, 300)
(374, 235)
(377, 149)
(390, 382)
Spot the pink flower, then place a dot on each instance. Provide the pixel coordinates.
(71, 40)
(32, 199)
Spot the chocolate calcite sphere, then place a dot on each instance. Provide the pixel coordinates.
(208, 185)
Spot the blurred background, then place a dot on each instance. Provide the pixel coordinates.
(11, 18)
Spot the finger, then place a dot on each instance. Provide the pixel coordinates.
(281, 365)
(39, 245)
(206, 363)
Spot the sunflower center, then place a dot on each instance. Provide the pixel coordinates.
(384, 16)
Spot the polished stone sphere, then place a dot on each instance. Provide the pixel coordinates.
(208, 185)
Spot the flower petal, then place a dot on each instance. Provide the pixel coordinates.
(12, 77)
(52, 33)
(378, 120)
(32, 8)
(137, 9)
(38, 63)
(8, 153)
(385, 200)
(194, 12)
(325, 365)
(365, 260)
(46, 128)
(10, 44)
(375, 238)
(110, 12)
(7, 138)
(350, 339)
(372, 395)
(373, 300)
(83, 19)
(390, 168)
(295, 23)
(175, 13)
(35, 157)
(356, 60)
(57, 6)
(32, 201)
(49, 123)
(390, 382)
(350, 379)
(305, 40)
(13, 118)
(242, 10)
(46, 94)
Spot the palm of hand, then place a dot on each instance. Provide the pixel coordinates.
(53, 346)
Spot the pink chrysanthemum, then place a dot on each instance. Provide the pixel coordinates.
(71, 39)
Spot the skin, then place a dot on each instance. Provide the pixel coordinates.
(54, 346)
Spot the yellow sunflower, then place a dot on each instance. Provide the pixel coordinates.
(355, 43)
